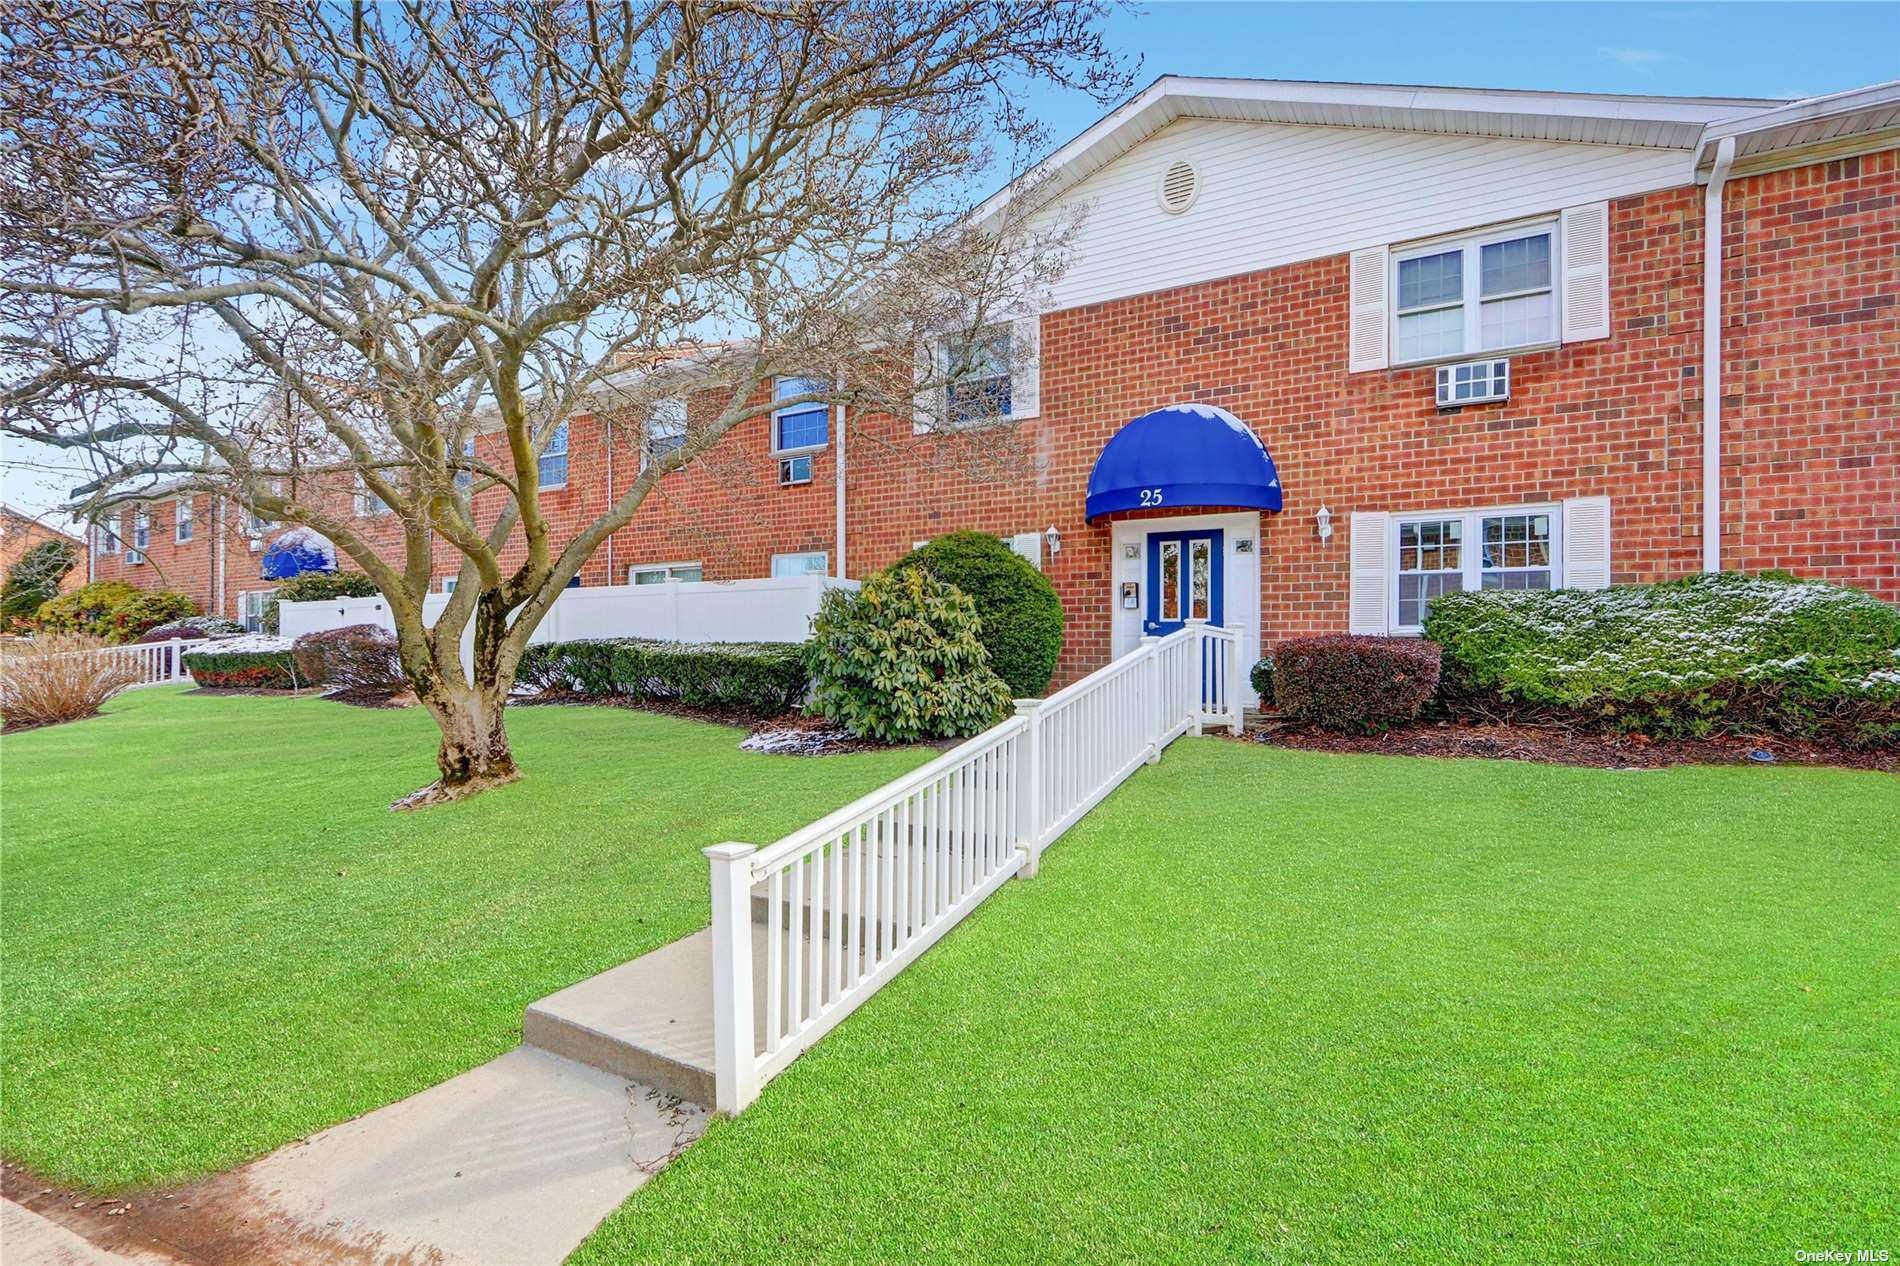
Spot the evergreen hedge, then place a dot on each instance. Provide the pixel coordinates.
(1728, 652)
(742, 678)
(245, 663)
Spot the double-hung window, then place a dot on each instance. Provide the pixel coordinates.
(665, 431)
(660, 573)
(465, 478)
(368, 504)
(812, 563)
(800, 427)
(182, 525)
(552, 468)
(108, 538)
(1441, 553)
(141, 537)
(977, 373)
(1486, 293)
(251, 605)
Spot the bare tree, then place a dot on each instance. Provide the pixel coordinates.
(398, 225)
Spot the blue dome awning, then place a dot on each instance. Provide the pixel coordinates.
(296, 552)
(1182, 457)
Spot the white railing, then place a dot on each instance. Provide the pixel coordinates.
(156, 663)
(828, 914)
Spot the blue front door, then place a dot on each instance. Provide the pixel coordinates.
(1184, 580)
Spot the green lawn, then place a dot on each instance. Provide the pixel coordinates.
(217, 938)
(1288, 1007)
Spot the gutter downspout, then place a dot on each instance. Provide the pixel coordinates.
(839, 527)
(1712, 356)
(217, 544)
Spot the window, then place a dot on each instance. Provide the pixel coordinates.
(665, 431)
(465, 479)
(448, 584)
(800, 426)
(251, 609)
(141, 537)
(1483, 293)
(255, 524)
(107, 537)
(552, 468)
(815, 563)
(660, 573)
(978, 369)
(182, 525)
(368, 504)
(1480, 549)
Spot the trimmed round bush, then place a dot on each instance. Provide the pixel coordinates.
(1019, 613)
(317, 586)
(1261, 678)
(355, 657)
(1728, 652)
(150, 609)
(901, 661)
(1357, 685)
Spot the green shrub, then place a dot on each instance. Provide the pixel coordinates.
(1360, 685)
(153, 607)
(355, 657)
(245, 663)
(1684, 658)
(317, 586)
(1020, 614)
(1261, 678)
(87, 609)
(34, 580)
(743, 678)
(900, 660)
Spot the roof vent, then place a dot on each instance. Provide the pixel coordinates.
(1180, 185)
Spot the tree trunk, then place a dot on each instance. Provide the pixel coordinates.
(474, 754)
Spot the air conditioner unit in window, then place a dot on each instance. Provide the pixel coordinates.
(794, 470)
(1474, 382)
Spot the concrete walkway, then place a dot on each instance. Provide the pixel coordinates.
(510, 1164)
(27, 1239)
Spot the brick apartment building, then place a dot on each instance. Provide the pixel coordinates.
(20, 532)
(1449, 338)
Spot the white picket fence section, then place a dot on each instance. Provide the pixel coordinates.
(854, 898)
(157, 663)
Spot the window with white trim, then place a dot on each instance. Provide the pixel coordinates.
(368, 504)
(182, 525)
(107, 538)
(465, 478)
(251, 608)
(255, 524)
(800, 428)
(977, 368)
(1452, 552)
(810, 563)
(552, 467)
(664, 433)
(1485, 293)
(660, 573)
(141, 537)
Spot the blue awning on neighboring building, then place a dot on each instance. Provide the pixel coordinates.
(296, 552)
(1182, 457)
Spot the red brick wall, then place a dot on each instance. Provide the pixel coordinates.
(1811, 364)
(1810, 469)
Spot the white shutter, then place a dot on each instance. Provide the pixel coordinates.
(1029, 545)
(1586, 262)
(927, 398)
(1586, 544)
(1369, 271)
(1025, 367)
(1370, 580)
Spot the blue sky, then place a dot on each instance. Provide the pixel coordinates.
(1686, 49)
(1710, 50)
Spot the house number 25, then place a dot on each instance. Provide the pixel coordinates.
(1151, 496)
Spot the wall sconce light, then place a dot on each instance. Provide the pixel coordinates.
(1055, 540)
(1323, 524)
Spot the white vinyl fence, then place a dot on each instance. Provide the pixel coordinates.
(156, 663)
(852, 899)
(778, 609)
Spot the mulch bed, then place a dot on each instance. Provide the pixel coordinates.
(1554, 745)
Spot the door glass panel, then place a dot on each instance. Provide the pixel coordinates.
(1170, 580)
(1200, 559)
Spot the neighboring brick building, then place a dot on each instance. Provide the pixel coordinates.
(1308, 258)
(21, 532)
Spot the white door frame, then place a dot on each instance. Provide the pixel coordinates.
(1240, 547)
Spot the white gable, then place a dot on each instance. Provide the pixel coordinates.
(1272, 194)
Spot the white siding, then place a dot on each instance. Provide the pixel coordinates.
(1274, 194)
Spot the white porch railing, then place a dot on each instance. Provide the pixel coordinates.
(854, 898)
(156, 663)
